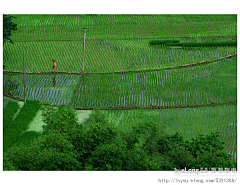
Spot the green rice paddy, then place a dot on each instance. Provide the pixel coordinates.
(120, 43)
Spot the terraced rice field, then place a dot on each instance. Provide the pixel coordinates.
(171, 87)
(122, 68)
(103, 55)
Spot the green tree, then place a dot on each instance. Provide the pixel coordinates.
(8, 165)
(109, 156)
(8, 28)
(62, 120)
(173, 149)
(208, 152)
(97, 144)
(93, 136)
(49, 152)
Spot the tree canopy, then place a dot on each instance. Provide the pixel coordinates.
(8, 28)
(97, 144)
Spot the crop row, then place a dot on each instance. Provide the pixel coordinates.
(19, 124)
(195, 85)
(68, 27)
(102, 56)
(8, 113)
(54, 88)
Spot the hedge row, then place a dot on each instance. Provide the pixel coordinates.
(163, 42)
(209, 44)
(8, 113)
(192, 44)
(20, 123)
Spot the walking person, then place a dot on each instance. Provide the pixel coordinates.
(54, 65)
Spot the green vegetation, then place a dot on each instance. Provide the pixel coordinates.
(103, 55)
(68, 27)
(8, 113)
(209, 44)
(27, 138)
(188, 122)
(6, 100)
(48, 152)
(98, 144)
(19, 124)
(115, 42)
(162, 88)
(163, 42)
(8, 28)
(131, 61)
(191, 44)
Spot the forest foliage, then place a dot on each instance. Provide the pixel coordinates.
(97, 144)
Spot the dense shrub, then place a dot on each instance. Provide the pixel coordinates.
(99, 145)
(208, 152)
(49, 152)
(93, 136)
(110, 156)
(62, 120)
(8, 165)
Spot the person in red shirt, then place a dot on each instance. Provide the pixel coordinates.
(54, 65)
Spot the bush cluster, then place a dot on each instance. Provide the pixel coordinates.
(99, 145)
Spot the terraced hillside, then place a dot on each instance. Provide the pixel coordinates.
(127, 66)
